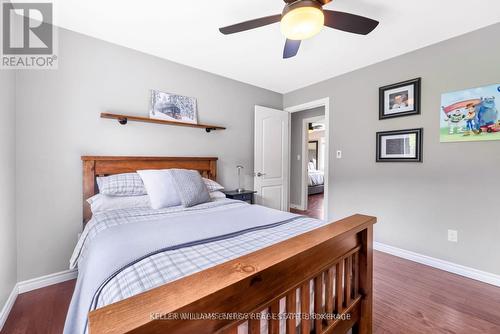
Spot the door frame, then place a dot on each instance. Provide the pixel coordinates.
(324, 102)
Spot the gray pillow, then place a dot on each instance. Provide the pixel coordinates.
(190, 187)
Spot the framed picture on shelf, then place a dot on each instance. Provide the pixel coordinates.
(172, 107)
(400, 146)
(401, 99)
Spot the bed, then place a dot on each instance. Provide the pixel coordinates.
(316, 181)
(315, 178)
(219, 267)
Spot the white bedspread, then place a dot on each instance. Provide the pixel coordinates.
(316, 177)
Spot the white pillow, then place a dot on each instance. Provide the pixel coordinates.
(212, 185)
(162, 192)
(100, 202)
(215, 195)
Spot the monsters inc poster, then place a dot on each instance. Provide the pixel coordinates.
(471, 115)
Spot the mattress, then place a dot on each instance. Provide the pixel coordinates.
(154, 247)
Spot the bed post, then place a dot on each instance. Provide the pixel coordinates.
(213, 170)
(88, 187)
(365, 325)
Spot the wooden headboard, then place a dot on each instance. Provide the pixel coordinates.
(94, 166)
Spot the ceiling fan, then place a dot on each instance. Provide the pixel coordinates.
(303, 19)
(316, 126)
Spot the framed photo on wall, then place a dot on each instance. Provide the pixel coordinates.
(401, 99)
(400, 146)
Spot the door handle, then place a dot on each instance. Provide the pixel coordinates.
(259, 174)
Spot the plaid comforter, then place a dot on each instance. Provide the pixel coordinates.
(167, 266)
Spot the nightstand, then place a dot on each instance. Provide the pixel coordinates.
(245, 196)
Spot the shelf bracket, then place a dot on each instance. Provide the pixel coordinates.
(210, 129)
(123, 120)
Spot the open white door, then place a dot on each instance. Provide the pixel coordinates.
(271, 157)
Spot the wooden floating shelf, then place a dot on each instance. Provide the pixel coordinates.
(123, 119)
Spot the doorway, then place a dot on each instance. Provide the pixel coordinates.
(309, 158)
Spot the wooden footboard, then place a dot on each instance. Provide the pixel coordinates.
(317, 282)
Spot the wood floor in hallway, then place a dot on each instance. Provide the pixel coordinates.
(314, 207)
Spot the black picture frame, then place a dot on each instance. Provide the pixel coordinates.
(418, 150)
(416, 83)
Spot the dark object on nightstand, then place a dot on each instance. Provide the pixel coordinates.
(245, 196)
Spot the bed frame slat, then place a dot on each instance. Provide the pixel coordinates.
(291, 308)
(254, 326)
(356, 275)
(305, 307)
(329, 295)
(347, 280)
(339, 268)
(274, 323)
(318, 302)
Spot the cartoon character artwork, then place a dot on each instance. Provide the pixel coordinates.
(455, 119)
(470, 115)
(487, 115)
(470, 120)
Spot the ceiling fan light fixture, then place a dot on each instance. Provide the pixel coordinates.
(302, 22)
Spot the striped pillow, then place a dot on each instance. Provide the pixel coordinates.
(127, 184)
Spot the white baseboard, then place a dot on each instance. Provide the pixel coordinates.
(33, 284)
(43, 281)
(8, 306)
(451, 267)
(297, 207)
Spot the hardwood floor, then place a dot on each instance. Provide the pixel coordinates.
(41, 311)
(409, 298)
(413, 298)
(314, 207)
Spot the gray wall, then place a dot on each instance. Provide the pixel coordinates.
(58, 121)
(457, 186)
(8, 265)
(296, 149)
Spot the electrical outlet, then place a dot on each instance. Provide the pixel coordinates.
(339, 154)
(453, 235)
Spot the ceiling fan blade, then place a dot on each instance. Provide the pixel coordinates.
(291, 48)
(252, 24)
(349, 22)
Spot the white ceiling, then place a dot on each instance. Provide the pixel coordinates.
(186, 31)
